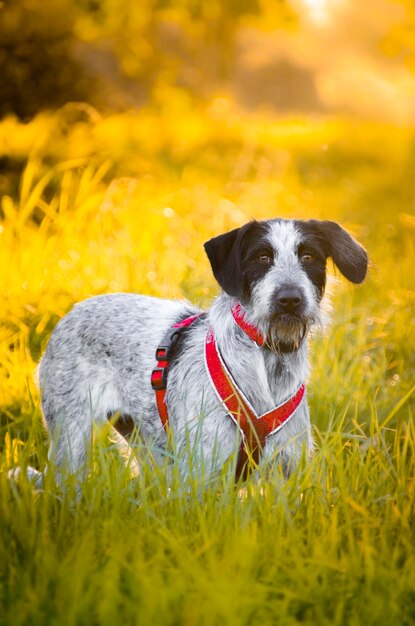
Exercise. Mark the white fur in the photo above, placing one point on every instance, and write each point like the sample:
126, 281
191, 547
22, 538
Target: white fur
100, 358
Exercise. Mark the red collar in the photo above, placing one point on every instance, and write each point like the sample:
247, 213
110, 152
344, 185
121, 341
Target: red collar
251, 330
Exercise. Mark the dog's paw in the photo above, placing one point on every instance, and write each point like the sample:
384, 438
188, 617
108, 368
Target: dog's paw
33, 475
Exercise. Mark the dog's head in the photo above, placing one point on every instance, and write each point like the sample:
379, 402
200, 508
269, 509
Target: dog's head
277, 270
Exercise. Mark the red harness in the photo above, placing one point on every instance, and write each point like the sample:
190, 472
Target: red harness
254, 428
163, 356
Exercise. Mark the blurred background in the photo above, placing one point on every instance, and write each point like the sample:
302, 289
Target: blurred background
131, 132
286, 56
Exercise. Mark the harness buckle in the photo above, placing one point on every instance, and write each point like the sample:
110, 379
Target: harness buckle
162, 352
159, 378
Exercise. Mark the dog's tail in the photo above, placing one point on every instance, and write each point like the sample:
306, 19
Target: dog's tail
34, 476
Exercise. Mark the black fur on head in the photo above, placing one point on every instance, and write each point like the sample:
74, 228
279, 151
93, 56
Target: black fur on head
228, 253
347, 254
239, 257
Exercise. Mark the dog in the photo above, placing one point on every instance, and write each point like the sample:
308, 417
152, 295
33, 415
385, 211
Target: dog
100, 360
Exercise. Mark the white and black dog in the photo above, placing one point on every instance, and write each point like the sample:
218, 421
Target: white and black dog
100, 358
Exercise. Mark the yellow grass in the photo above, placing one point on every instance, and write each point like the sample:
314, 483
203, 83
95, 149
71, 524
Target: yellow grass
124, 203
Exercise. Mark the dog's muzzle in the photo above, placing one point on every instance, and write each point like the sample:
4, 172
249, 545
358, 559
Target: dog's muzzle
289, 325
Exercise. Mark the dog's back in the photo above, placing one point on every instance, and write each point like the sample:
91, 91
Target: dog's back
99, 361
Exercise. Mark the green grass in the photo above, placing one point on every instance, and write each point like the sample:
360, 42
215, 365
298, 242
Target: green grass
334, 544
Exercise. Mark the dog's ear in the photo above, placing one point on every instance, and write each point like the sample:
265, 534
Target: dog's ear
347, 254
225, 254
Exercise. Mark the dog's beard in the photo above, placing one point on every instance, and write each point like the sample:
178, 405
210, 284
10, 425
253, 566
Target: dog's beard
287, 332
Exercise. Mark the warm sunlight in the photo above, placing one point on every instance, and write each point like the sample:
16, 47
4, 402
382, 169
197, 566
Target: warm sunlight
318, 10
136, 138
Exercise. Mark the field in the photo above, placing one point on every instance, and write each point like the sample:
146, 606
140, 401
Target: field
124, 202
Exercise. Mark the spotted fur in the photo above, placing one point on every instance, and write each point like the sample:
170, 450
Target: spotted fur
100, 356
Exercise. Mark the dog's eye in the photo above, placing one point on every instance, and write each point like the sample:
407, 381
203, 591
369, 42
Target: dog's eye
264, 258
307, 257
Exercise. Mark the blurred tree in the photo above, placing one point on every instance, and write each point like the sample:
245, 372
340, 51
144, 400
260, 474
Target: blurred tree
116, 53
188, 43
400, 41
37, 68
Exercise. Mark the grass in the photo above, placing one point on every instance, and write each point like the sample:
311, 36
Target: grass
124, 203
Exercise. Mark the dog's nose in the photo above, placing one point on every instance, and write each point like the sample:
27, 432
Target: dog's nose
289, 298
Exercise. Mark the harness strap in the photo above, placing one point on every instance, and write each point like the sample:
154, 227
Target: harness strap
254, 428
163, 356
